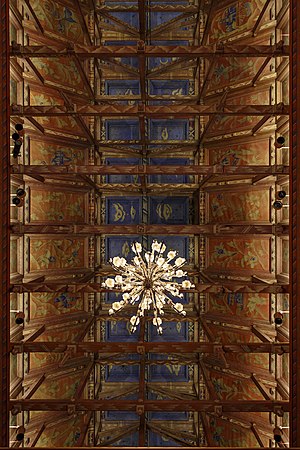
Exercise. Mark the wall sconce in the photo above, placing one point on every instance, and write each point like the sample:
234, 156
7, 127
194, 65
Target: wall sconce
18, 140
20, 193
278, 433
278, 317
19, 199
280, 142
278, 205
20, 432
19, 317
282, 194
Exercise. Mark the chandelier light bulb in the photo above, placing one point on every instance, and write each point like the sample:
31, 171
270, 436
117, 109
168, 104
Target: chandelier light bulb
148, 281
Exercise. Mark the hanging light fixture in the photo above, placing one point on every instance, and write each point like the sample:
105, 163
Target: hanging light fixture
148, 282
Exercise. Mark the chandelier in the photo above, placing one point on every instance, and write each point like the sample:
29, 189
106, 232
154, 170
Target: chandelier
148, 282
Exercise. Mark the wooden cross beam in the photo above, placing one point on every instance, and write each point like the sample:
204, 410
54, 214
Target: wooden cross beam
73, 406
208, 230
156, 111
152, 347
107, 169
122, 51
204, 288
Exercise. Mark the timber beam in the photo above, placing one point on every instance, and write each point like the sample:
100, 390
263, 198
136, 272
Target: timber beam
73, 406
208, 230
204, 288
105, 169
153, 347
157, 111
121, 51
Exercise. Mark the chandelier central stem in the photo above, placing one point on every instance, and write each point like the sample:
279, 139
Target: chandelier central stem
148, 282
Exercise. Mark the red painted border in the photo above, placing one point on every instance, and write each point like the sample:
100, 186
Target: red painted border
4, 223
295, 222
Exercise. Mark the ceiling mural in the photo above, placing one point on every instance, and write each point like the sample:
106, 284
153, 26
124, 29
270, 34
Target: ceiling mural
143, 121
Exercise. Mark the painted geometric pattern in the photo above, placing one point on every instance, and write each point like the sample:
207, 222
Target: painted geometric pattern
240, 154
240, 304
55, 154
60, 20
237, 17
57, 206
228, 206
240, 253
50, 254
43, 304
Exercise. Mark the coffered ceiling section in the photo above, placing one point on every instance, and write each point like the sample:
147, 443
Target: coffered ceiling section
150, 120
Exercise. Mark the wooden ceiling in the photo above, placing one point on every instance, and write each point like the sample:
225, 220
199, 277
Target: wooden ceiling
146, 120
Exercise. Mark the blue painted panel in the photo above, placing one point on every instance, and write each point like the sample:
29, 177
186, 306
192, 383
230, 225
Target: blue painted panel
123, 130
121, 210
126, 373
156, 440
158, 17
162, 415
132, 61
122, 87
122, 178
168, 130
132, 18
172, 332
132, 440
178, 243
155, 62
167, 372
169, 178
123, 415
169, 210
120, 246
119, 331
169, 87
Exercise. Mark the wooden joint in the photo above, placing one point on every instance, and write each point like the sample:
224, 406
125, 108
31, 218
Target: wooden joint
140, 409
218, 410
278, 410
140, 349
17, 349
17, 408
71, 409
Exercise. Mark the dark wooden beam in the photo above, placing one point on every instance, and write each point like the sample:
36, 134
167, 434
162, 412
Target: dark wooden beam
209, 230
295, 222
73, 406
122, 51
106, 169
205, 288
4, 225
152, 111
155, 347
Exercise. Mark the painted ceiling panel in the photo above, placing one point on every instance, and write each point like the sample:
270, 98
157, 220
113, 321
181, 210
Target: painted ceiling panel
67, 304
